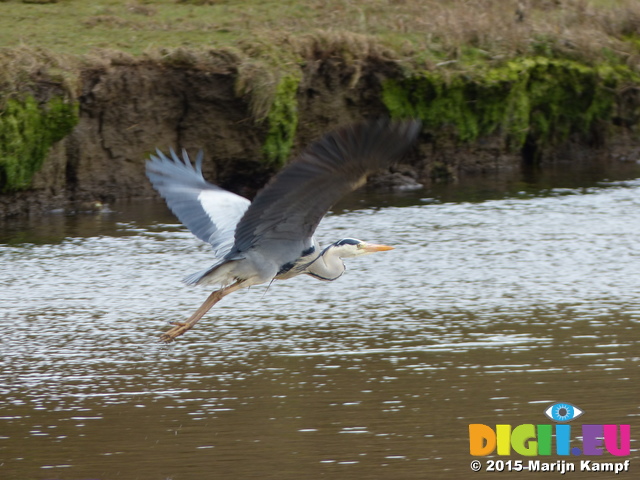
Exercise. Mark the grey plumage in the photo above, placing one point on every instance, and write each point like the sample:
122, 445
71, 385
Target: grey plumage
290, 208
272, 237
211, 213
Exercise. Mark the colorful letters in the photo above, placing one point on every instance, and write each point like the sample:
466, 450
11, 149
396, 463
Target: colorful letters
530, 440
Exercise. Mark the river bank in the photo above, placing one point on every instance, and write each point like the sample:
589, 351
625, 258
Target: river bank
76, 127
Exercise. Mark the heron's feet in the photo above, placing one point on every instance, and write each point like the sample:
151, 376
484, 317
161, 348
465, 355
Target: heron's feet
178, 329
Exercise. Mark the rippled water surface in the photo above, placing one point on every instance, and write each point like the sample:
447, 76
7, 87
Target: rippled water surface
491, 307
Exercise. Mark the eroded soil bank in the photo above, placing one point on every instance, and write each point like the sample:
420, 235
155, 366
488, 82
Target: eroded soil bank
95, 132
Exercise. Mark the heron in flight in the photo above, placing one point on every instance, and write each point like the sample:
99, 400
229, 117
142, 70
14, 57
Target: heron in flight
272, 238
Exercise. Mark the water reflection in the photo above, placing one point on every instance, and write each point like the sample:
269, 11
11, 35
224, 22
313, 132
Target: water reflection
486, 312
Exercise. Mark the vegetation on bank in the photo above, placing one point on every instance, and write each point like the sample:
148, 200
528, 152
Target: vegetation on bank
27, 130
535, 101
534, 71
282, 121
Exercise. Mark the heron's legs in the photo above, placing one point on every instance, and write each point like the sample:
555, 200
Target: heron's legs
214, 298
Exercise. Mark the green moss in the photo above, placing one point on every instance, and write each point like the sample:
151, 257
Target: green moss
536, 99
27, 131
633, 39
282, 121
469, 106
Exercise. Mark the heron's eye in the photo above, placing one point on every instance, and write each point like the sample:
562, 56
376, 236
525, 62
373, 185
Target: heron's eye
563, 412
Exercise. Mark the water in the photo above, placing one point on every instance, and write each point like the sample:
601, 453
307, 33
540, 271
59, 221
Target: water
494, 304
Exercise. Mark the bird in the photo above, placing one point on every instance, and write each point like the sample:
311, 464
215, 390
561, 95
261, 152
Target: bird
272, 238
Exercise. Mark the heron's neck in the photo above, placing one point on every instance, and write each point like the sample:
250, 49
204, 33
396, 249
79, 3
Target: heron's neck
328, 266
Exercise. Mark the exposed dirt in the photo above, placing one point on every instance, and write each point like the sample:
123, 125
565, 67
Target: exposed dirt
128, 110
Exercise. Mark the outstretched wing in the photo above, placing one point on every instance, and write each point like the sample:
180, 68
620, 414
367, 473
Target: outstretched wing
210, 212
284, 215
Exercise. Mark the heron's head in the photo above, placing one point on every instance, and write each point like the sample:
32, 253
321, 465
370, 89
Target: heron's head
351, 247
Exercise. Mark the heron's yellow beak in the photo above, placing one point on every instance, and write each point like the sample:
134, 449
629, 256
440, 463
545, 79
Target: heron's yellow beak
372, 247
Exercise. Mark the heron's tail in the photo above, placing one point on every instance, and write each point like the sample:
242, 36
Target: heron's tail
195, 278
219, 273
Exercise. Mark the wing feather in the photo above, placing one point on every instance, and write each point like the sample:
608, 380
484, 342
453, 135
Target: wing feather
211, 213
284, 215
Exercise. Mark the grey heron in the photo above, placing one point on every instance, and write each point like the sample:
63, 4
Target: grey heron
272, 238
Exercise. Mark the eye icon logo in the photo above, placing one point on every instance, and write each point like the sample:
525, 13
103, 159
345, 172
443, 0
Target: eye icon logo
563, 412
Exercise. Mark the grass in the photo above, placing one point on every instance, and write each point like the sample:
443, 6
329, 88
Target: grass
270, 38
427, 31
535, 70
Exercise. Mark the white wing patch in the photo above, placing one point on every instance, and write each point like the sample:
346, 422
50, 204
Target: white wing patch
225, 209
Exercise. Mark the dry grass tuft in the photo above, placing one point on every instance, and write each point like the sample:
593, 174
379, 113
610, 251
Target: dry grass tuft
107, 21
348, 46
589, 31
140, 9
20, 66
